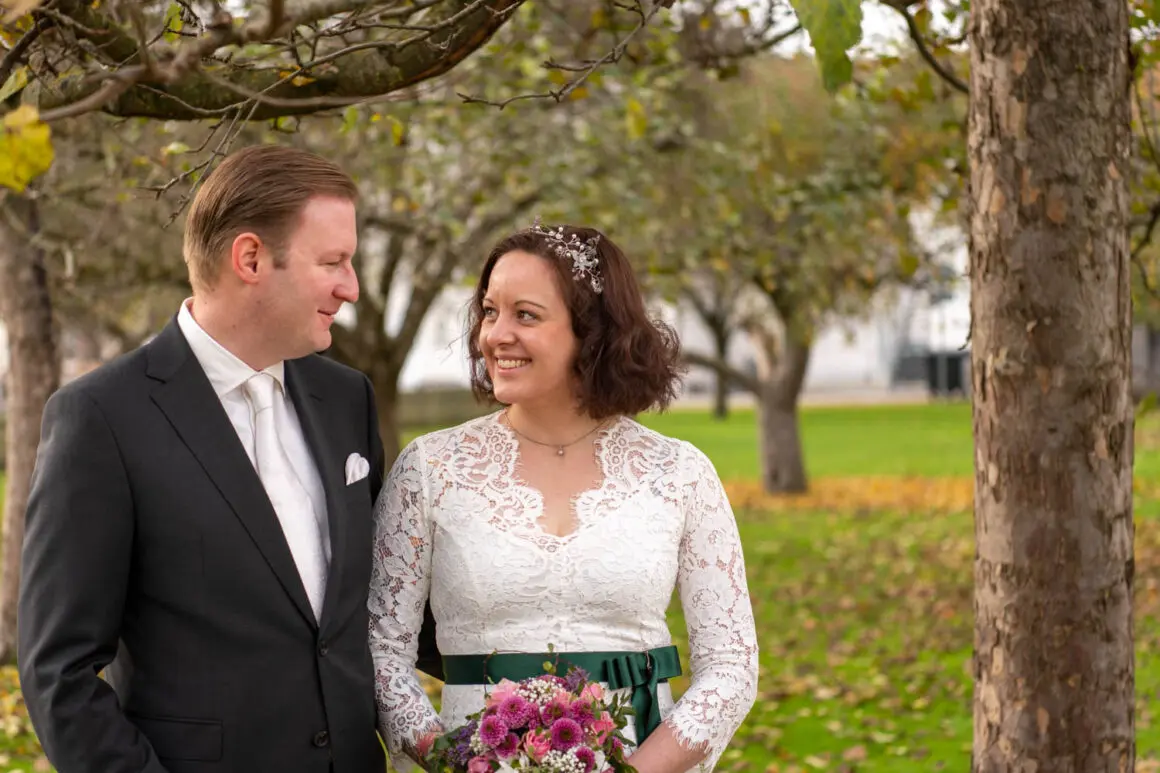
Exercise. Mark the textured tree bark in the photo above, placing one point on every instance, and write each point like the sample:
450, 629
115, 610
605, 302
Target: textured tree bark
783, 468
1051, 373
33, 375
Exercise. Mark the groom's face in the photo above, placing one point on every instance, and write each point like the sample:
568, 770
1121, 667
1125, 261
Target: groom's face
315, 279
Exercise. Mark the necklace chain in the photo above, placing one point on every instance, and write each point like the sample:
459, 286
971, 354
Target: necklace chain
558, 446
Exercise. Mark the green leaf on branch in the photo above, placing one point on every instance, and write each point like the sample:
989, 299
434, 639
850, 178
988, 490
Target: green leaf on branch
834, 27
173, 23
25, 148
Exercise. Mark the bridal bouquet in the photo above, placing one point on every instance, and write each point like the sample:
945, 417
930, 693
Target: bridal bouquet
545, 724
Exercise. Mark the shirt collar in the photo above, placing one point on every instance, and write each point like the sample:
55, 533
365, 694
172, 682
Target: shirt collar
225, 371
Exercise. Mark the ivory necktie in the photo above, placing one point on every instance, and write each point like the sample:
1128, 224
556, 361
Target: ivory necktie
286, 492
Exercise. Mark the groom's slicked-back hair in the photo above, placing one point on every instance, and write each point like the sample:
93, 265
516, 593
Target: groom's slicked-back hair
260, 189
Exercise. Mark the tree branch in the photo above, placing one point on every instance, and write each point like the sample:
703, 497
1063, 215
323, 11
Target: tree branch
1146, 238
12, 58
585, 70
742, 379
925, 52
182, 91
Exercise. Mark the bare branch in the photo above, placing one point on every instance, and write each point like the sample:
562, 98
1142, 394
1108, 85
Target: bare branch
562, 93
102, 96
924, 51
742, 379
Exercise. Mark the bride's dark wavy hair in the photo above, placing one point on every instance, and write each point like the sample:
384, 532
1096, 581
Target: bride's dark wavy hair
626, 362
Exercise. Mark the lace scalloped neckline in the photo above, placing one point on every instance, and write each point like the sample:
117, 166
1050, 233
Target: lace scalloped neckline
583, 505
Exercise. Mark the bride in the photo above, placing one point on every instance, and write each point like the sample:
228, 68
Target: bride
560, 522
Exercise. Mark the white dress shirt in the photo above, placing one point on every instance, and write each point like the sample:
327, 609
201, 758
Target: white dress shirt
227, 374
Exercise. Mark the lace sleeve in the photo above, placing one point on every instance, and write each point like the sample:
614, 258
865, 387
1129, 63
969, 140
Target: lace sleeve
715, 599
400, 581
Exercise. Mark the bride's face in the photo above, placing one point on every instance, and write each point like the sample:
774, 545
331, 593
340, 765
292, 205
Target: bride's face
526, 334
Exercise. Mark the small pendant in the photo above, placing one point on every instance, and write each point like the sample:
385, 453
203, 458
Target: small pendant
560, 451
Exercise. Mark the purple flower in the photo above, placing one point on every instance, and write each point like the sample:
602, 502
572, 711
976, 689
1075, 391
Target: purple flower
508, 747
460, 750
492, 731
557, 708
585, 755
581, 711
515, 711
566, 733
575, 679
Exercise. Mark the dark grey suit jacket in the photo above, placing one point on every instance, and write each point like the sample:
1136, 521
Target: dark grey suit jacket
152, 553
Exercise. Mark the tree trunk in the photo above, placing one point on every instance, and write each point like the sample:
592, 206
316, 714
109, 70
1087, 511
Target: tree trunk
33, 375
384, 376
723, 382
783, 469
1152, 372
1051, 372
387, 404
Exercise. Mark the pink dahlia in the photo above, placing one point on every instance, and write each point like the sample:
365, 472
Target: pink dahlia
492, 731
566, 733
508, 747
585, 755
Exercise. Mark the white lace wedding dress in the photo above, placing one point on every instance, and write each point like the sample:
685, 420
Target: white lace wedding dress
455, 521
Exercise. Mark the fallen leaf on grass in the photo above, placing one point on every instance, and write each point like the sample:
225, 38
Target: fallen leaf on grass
861, 494
876, 494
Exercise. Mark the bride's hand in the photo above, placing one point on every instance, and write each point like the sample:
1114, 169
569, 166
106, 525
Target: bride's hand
422, 748
426, 743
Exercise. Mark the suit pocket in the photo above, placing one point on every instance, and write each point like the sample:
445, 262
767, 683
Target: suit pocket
357, 497
196, 740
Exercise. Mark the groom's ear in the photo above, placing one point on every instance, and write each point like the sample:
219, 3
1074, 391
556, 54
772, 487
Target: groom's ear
245, 254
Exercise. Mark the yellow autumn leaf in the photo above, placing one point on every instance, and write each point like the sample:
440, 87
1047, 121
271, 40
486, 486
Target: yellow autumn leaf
635, 119
398, 130
16, 81
862, 494
25, 148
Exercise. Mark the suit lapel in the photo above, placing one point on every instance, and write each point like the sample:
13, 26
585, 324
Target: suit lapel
189, 402
309, 403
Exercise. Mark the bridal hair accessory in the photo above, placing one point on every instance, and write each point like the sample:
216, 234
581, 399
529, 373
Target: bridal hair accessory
582, 253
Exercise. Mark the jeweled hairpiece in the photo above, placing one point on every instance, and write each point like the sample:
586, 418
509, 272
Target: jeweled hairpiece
582, 253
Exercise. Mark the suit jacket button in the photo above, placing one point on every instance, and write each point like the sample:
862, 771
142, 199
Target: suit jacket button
323, 648
321, 738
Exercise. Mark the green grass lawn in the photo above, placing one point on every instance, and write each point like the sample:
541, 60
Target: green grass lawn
864, 618
930, 440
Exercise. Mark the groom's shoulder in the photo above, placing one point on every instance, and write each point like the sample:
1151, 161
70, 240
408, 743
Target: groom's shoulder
114, 379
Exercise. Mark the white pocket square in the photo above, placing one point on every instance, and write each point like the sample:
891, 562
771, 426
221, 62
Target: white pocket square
357, 468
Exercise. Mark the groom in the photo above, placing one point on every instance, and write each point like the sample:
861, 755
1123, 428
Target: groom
200, 522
